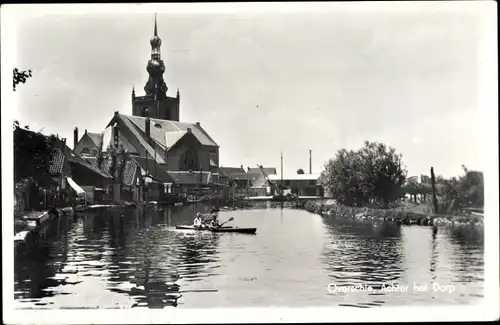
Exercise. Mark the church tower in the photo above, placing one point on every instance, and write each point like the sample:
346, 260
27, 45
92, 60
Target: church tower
156, 103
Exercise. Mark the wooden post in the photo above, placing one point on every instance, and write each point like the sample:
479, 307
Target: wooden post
434, 198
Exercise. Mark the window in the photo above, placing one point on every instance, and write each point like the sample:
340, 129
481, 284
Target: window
312, 182
189, 160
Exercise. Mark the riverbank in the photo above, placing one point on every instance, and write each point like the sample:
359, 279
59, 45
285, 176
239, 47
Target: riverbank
408, 214
29, 224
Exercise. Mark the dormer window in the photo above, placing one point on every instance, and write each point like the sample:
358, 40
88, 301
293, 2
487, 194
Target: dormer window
158, 125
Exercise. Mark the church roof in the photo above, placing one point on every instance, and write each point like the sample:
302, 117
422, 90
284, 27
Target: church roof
173, 129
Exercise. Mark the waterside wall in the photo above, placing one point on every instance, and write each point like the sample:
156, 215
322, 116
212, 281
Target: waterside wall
400, 215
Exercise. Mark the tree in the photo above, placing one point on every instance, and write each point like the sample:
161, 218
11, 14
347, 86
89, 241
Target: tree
32, 156
300, 171
372, 173
464, 191
20, 77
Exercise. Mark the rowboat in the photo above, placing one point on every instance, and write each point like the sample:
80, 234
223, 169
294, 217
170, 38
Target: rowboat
220, 229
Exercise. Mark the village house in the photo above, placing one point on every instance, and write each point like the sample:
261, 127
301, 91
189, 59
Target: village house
72, 178
257, 179
234, 175
300, 184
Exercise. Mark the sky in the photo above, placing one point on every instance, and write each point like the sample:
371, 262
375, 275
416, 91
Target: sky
261, 83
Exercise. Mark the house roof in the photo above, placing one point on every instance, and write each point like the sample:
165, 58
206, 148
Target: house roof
129, 172
228, 171
174, 129
95, 137
75, 158
267, 170
237, 173
57, 162
295, 177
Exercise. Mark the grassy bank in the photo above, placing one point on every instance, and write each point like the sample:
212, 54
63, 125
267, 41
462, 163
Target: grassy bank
407, 214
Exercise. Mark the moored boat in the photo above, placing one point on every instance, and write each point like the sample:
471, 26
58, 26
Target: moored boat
220, 229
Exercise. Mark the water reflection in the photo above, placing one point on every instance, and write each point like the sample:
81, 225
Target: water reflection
467, 256
362, 253
136, 258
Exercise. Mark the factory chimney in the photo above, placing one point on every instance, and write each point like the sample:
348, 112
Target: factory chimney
310, 161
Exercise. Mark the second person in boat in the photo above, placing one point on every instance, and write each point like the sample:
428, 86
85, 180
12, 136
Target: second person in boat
214, 223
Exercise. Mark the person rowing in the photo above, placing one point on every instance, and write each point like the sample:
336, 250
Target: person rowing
197, 220
214, 223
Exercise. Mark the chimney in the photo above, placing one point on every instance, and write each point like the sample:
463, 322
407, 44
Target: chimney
189, 130
310, 161
248, 168
198, 123
116, 113
85, 131
75, 137
148, 127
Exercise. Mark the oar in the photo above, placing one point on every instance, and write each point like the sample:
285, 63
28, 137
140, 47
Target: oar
222, 224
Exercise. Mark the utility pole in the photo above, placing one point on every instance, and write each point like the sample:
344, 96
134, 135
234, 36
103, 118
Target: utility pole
282, 171
433, 183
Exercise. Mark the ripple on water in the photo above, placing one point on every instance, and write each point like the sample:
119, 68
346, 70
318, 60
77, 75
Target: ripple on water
142, 263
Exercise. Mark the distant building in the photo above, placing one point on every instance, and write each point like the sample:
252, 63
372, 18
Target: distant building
88, 144
256, 177
300, 184
234, 175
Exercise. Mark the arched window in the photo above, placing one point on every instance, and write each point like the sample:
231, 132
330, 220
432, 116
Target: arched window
189, 160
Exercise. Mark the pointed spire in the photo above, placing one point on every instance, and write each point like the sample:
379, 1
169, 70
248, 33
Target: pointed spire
156, 28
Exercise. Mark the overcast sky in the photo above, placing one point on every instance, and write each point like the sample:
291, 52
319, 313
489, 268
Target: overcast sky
262, 83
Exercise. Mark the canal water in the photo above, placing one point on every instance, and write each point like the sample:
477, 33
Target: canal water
136, 258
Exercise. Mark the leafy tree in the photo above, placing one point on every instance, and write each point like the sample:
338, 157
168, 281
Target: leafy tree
20, 77
372, 173
464, 191
32, 156
300, 171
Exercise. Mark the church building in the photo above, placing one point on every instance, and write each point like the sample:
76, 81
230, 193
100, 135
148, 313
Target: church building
182, 153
